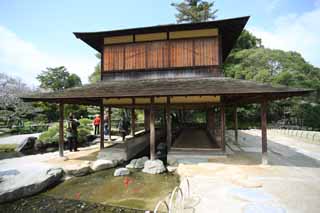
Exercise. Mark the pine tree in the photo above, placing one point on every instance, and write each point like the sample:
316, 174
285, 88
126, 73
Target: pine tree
195, 11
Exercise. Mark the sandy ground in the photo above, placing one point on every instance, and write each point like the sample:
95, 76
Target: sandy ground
239, 183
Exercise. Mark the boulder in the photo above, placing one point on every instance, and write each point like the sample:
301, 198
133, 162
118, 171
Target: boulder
137, 163
153, 167
26, 180
27, 146
78, 170
171, 168
102, 164
121, 172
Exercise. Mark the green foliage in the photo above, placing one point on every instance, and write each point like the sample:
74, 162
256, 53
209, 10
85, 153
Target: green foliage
96, 75
251, 61
247, 41
58, 78
194, 11
52, 134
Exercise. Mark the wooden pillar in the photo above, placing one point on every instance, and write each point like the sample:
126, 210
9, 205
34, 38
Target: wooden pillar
101, 126
146, 119
235, 117
264, 105
168, 123
152, 132
222, 127
133, 119
109, 122
61, 136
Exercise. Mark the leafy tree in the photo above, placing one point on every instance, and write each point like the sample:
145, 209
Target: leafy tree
251, 61
247, 40
58, 78
95, 76
195, 11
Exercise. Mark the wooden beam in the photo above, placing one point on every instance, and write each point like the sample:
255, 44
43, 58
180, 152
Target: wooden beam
168, 123
152, 132
101, 126
235, 117
61, 137
264, 106
222, 127
109, 122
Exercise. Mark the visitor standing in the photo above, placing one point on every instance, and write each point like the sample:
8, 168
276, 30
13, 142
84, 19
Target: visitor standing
106, 124
72, 133
123, 127
96, 123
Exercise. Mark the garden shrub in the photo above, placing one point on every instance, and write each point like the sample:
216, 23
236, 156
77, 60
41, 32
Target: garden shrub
51, 136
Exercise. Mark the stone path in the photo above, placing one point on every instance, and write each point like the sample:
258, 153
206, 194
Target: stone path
239, 183
16, 139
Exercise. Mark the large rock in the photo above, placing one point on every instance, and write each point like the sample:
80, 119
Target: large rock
137, 163
27, 145
121, 172
78, 170
153, 167
26, 180
102, 164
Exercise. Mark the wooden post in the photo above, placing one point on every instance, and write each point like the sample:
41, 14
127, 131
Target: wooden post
146, 119
152, 132
264, 105
222, 127
61, 136
168, 123
101, 126
235, 116
133, 119
109, 122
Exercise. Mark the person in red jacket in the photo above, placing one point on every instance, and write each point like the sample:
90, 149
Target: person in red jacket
96, 123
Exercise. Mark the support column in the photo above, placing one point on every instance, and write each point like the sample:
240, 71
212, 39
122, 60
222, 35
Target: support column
133, 120
168, 123
264, 105
61, 136
101, 126
109, 122
146, 119
235, 116
152, 132
222, 127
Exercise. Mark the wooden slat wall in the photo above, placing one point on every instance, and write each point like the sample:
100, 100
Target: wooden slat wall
161, 54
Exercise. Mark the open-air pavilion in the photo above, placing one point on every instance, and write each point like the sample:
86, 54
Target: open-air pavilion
170, 67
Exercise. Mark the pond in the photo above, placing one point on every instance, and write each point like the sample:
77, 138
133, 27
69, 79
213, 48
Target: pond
101, 191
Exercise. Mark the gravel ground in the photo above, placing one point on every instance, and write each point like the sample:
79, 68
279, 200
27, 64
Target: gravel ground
290, 183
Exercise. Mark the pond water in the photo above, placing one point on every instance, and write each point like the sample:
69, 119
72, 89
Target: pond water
101, 190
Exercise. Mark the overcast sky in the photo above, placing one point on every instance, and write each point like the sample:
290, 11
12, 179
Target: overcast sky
36, 34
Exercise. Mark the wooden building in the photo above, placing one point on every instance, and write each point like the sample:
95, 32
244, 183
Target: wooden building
170, 67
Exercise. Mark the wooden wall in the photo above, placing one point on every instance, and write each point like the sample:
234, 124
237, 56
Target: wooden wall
161, 54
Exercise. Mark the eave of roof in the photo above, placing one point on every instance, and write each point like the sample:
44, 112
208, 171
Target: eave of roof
230, 30
227, 87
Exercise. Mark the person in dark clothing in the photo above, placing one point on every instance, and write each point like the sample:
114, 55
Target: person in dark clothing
106, 126
123, 127
72, 133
